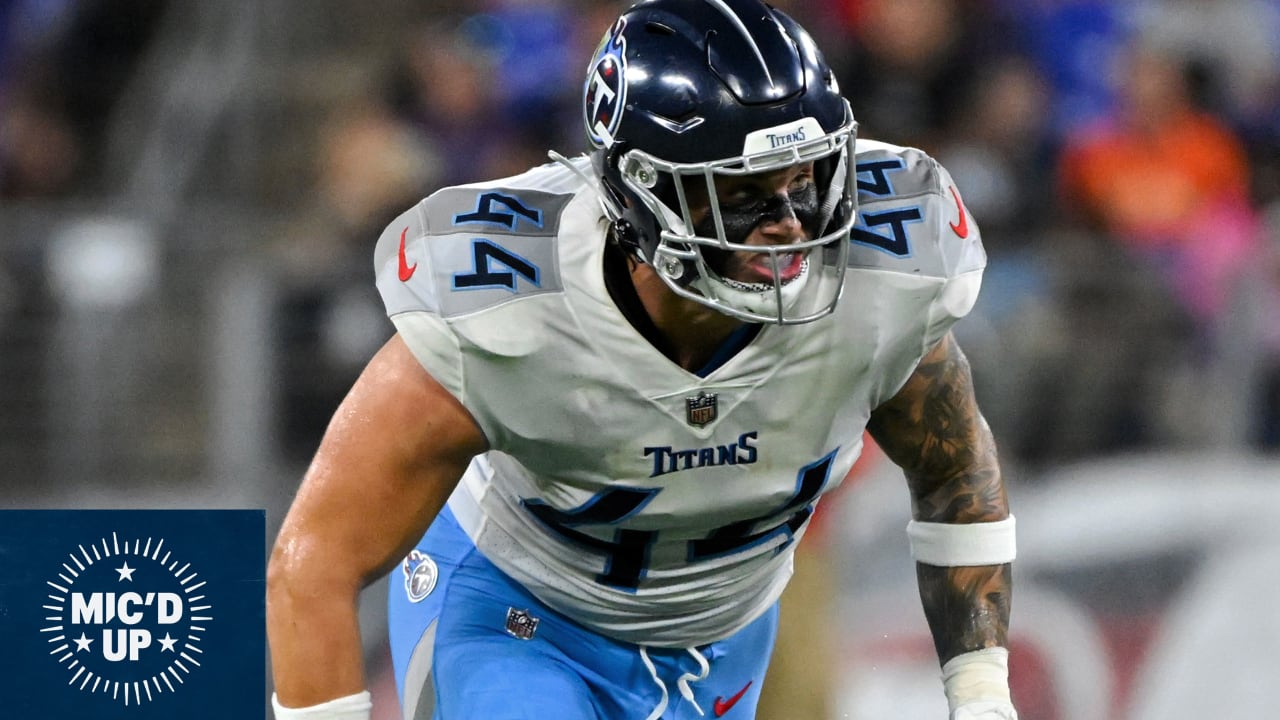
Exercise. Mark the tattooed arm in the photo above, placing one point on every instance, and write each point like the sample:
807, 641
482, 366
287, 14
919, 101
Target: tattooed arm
933, 430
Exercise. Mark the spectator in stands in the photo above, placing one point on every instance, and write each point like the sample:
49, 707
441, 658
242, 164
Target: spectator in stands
999, 140
446, 87
65, 74
1167, 181
1169, 184
906, 65
1075, 45
914, 64
328, 319
39, 151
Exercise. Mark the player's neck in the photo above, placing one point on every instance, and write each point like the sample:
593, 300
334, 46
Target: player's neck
688, 334
694, 333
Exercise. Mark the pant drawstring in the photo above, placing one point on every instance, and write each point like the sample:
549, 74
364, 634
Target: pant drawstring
704, 669
653, 673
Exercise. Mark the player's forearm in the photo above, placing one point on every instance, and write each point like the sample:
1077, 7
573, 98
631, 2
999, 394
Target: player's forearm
314, 634
933, 429
963, 539
967, 606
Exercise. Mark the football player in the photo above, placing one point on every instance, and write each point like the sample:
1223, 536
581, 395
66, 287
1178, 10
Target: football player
621, 383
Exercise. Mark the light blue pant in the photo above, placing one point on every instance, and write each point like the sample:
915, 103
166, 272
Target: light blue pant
455, 658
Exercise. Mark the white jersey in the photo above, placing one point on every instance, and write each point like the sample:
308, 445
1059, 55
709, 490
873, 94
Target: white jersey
648, 503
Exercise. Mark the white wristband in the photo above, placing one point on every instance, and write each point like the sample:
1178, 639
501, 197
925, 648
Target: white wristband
963, 544
351, 707
978, 680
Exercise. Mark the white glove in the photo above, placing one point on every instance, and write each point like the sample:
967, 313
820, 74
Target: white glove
985, 710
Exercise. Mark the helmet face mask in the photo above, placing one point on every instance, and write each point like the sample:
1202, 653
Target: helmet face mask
751, 99
690, 254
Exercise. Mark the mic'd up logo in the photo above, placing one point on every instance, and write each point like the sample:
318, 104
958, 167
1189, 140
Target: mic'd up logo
126, 618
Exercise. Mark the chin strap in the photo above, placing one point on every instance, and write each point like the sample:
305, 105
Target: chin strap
623, 233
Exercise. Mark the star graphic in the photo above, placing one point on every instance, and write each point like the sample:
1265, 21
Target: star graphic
166, 643
82, 642
126, 572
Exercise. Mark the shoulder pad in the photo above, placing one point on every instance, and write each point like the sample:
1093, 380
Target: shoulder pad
468, 248
910, 216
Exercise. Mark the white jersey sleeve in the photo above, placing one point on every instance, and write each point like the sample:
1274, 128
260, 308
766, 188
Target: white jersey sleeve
467, 249
914, 246
400, 251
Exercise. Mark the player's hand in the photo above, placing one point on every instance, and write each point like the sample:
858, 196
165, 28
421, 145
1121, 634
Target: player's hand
985, 710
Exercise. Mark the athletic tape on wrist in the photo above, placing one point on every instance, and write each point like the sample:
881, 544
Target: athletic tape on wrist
977, 678
960, 545
351, 707
985, 711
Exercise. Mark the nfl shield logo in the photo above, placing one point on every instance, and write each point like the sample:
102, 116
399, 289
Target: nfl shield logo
700, 410
521, 624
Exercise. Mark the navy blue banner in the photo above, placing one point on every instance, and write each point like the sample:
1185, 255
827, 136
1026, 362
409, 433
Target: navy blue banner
133, 614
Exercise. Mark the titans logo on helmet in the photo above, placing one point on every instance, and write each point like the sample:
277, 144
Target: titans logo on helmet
605, 94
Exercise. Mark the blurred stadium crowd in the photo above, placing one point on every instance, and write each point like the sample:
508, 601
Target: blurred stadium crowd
190, 192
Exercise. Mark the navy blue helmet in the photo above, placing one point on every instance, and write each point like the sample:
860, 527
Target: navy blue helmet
681, 93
